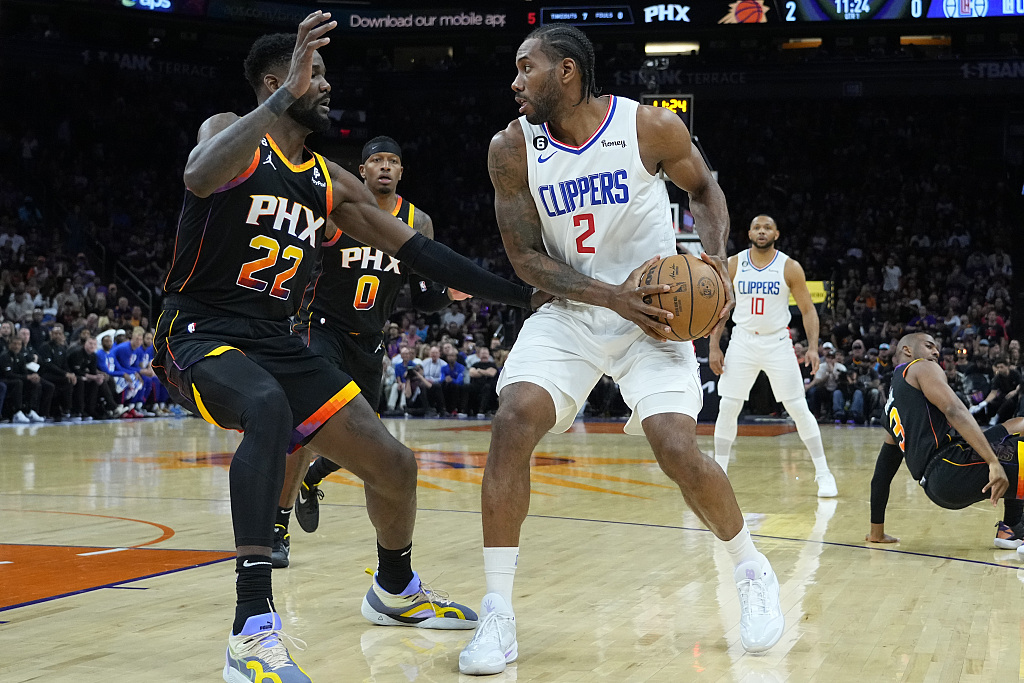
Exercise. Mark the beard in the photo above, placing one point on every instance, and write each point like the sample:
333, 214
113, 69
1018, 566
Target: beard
544, 104
308, 115
767, 245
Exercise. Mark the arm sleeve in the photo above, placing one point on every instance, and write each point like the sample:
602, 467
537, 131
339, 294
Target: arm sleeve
427, 296
888, 463
438, 262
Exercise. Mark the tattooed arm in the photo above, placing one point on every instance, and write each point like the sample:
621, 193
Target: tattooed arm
519, 222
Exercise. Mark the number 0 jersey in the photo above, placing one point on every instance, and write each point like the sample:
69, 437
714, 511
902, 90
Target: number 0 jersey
249, 248
601, 212
918, 428
355, 286
762, 295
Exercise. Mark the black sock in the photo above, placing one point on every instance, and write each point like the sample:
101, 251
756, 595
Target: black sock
1013, 511
320, 468
252, 589
283, 515
394, 568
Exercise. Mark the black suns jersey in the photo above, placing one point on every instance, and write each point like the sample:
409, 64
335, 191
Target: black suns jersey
355, 286
250, 247
918, 428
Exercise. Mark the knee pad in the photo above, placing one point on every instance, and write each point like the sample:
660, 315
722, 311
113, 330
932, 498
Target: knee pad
728, 413
806, 425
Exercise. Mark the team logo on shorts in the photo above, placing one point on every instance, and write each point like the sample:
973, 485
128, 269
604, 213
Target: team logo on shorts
191, 327
706, 287
540, 143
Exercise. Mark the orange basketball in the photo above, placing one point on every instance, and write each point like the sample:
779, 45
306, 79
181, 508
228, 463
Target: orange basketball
695, 298
749, 12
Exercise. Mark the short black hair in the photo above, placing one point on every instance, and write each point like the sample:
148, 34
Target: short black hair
268, 52
561, 41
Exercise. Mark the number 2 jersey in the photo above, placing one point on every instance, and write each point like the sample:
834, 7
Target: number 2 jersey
918, 428
601, 212
248, 249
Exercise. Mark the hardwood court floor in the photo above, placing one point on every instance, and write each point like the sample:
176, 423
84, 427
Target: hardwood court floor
116, 544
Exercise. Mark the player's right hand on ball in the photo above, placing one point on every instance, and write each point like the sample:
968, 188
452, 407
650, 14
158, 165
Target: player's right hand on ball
309, 39
628, 302
716, 359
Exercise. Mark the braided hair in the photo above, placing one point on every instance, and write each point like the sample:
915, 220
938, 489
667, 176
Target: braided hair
564, 41
267, 53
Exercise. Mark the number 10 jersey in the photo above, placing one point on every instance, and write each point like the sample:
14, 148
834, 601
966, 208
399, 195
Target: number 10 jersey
249, 248
601, 212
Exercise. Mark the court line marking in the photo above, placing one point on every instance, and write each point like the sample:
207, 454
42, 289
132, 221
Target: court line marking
102, 552
116, 584
168, 532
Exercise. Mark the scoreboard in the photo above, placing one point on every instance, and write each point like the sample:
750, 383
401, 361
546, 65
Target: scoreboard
682, 105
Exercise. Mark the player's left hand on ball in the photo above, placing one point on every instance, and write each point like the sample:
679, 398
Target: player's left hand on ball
997, 483
722, 266
456, 295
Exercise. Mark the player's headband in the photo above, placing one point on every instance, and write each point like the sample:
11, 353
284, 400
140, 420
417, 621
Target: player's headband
381, 144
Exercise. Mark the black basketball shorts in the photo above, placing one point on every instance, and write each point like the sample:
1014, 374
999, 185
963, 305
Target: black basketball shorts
956, 475
315, 388
359, 356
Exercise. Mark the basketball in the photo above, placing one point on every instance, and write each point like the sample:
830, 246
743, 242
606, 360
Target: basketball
748, 12
695, 298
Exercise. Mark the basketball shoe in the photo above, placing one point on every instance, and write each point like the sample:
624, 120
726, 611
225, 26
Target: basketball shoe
494, 644
761, 619
826, 485
257, 653
282, 547
417, 606
307, 507
1008, 537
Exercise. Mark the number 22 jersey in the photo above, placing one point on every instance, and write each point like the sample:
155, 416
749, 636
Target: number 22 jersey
248, 249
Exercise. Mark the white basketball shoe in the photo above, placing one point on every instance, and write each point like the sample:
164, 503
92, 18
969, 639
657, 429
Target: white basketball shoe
761, 619
826, 485
494, 643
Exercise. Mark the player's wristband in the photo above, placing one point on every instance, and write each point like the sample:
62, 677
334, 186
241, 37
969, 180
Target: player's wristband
888, 463
279, 102
441, 264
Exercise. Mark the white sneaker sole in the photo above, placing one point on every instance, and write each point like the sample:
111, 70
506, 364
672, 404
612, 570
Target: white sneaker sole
489, 668
1006, 544
437, 623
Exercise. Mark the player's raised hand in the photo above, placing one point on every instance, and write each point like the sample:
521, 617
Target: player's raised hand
997, 483
631, 302
722, 266
309, 39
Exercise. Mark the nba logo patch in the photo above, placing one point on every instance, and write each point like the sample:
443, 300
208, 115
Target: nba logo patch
191, 327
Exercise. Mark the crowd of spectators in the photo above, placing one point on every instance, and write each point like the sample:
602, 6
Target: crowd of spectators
873, 196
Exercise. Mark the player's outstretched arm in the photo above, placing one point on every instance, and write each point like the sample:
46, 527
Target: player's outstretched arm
797, 283
931, 380
228, 142
520, 226
665, 143
888, 463
357, 210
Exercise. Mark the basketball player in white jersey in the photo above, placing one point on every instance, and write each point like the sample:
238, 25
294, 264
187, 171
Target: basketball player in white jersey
582, 211
764, 277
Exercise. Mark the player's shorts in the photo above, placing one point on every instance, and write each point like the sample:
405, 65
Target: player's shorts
748, 354
315, 389
566, 347
956, 474
360, 356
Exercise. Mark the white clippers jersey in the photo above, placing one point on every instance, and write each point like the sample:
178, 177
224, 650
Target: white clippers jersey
602, 213
762, 295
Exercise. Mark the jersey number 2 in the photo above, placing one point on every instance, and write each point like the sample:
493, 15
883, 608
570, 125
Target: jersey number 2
577, 221
278, 290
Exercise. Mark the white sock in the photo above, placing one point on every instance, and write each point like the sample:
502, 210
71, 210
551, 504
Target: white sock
725, 429
817, 452
741, 548
500, 570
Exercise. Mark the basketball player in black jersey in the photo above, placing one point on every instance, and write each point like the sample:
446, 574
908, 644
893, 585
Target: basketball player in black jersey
944, 448
258, 206
342, 318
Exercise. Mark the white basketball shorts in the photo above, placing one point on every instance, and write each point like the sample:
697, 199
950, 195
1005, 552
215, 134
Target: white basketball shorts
565, 348
748, 354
